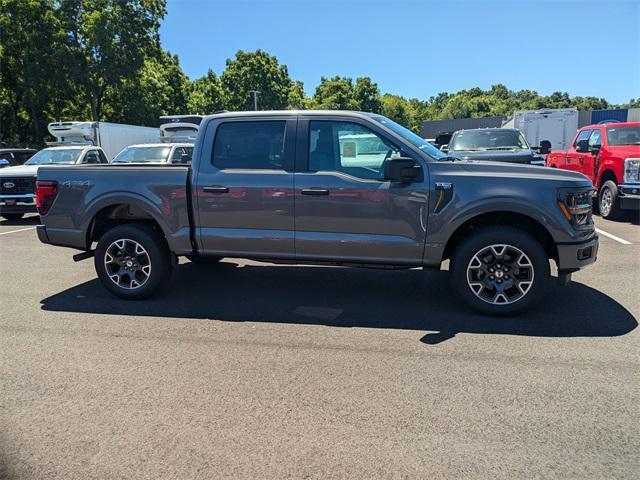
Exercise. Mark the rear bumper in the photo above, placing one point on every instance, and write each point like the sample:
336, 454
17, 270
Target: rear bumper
572, 257
62, 237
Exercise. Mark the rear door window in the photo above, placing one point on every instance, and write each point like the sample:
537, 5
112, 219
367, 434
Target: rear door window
254, 145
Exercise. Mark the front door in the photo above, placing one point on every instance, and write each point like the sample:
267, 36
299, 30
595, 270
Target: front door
243, 191
345, 210
575, 159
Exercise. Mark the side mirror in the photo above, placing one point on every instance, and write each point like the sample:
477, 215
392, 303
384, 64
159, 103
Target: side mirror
185, 158
401, 169
4, 163
595, 149
582, 146
444, 148
545, 147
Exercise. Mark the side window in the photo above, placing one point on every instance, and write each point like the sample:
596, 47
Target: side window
583, 135
595, 138
250, 145
349, 148
182, 155
91, 157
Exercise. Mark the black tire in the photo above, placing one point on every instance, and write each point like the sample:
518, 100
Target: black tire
532, 274
204, 260
12, 217
608, 201
155, 249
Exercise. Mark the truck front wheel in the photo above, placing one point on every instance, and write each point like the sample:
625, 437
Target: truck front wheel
500, 271
132, 261
608, 203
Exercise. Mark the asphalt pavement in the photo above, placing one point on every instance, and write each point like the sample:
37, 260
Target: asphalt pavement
250, 370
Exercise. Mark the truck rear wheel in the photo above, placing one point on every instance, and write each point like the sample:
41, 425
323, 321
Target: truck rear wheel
608, 202
500, 271
133, 261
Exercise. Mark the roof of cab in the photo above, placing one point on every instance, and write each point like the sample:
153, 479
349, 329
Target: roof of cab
290, 113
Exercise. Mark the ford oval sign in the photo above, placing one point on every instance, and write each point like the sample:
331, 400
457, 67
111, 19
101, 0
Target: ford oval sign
8, 185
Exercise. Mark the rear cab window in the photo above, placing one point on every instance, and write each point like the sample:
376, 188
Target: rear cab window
251, 145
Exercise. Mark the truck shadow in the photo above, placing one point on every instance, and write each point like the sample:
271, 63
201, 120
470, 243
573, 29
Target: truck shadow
340, 297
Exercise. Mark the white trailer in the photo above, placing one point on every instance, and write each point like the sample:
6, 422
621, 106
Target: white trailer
112, 137
556, 125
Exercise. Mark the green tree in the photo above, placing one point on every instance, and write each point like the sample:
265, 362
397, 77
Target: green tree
297, 98
205, 95
158, 88
397, 108
366, 95
108, 41
256, 71
335, 93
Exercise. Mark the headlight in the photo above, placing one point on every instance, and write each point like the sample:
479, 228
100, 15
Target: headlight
576, 205
631, 172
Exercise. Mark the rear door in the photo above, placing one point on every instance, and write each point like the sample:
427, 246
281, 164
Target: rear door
243, 188
345, 210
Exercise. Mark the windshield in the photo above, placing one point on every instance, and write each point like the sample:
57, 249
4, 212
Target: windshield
143, 155
623, 135
470, 140
47, 157
411, 137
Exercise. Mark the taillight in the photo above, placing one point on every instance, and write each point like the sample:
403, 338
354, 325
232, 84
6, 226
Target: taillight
46, 191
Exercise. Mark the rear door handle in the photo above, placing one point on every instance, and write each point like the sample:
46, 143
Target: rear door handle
314, 191
216, 189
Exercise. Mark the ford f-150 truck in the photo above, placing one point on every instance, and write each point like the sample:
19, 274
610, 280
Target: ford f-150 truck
325, 187
609, 155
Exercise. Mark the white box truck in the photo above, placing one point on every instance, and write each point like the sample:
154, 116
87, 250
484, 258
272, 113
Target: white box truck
112, 137
557, 125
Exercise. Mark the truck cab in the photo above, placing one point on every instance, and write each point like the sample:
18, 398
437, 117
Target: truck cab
609, 155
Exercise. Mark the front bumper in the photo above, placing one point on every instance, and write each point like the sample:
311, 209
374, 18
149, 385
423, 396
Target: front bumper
574, 256
18, 204
629, 196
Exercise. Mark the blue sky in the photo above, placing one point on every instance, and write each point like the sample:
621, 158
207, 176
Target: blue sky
420, 48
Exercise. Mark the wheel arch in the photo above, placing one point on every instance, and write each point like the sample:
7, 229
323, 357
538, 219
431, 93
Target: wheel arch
504, 219
111, 212
607, 174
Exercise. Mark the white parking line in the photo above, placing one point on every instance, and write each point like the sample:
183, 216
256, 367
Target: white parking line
19, 230
613, 237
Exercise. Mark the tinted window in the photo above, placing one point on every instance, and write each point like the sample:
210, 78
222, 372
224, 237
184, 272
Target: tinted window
178, 155
349, 148
624, 135
250, 145
583, 135
92, 157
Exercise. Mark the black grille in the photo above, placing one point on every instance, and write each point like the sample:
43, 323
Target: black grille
17, 185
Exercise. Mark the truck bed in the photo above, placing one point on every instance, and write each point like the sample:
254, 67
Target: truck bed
85, 191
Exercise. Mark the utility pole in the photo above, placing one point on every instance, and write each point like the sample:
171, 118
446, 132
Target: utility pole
255, 98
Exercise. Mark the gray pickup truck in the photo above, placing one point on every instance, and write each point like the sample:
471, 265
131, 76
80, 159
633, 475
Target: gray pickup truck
325, 187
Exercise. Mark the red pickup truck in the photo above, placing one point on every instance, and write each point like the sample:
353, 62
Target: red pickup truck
609, 155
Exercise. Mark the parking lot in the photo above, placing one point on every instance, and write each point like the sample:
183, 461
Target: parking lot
261, 371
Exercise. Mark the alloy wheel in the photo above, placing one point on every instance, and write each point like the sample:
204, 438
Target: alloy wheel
500, 274
127, 264
606, 201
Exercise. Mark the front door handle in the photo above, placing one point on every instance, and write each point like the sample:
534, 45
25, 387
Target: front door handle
216, 189
314, 191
